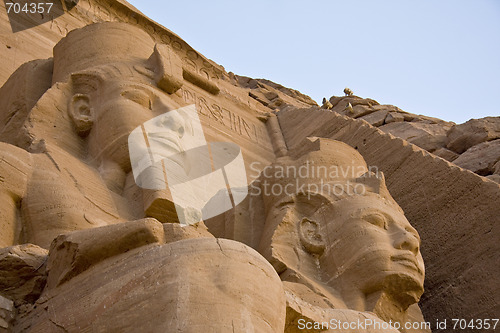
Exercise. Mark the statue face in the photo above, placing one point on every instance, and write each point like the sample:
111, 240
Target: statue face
372, 245
119, 108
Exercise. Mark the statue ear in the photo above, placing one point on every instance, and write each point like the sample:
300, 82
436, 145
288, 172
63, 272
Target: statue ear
310, 236
81, 113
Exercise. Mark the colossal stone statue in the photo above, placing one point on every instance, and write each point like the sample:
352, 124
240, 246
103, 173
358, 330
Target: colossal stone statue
342, 247
108, 268
107, 80
338, 239
98, 93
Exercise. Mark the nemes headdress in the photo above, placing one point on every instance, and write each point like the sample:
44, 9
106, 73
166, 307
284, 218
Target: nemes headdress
112, 43
100, 44
321, 166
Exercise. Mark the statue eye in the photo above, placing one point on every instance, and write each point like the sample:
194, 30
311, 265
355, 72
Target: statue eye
138, 97
376, 219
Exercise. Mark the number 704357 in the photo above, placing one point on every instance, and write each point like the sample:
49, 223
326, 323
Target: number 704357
475, 324
29, 8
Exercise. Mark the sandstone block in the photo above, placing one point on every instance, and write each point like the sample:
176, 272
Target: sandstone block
427, 136
72, 253
480, 158
494, 177
446, 154
430, 120
169, 74
22, 272
339, 105
394, 117
376, 118
7, 313
359, 111
497, 168
462, 137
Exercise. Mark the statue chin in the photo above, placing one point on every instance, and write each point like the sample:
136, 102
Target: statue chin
404, 289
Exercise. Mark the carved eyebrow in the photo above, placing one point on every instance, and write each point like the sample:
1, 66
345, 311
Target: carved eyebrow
363, 212
133, 90
143, 88
138, 95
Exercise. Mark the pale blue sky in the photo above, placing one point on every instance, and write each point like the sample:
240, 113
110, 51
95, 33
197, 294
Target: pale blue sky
440, 58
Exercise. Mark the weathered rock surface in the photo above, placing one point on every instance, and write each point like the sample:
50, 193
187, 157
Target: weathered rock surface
175, 232
376, 118
341, 102
480, 158
494, 177
427, 136
73, 253
276, 94
444, 139
22, 272
303, 317
497, 168
447, 154
394, 117
462, 137
7, 314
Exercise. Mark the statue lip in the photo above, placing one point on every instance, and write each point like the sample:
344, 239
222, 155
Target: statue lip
407, 260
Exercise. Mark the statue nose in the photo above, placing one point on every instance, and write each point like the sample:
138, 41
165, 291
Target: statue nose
407, 239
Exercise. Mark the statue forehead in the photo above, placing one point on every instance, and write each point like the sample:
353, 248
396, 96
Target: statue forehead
358, 206
346, 208
133, 83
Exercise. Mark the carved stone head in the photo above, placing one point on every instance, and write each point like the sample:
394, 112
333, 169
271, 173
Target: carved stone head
340, 231
106, 80
118, 82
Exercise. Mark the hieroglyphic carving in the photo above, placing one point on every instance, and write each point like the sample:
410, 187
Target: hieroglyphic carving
189, 64
177, 45
192, 54
165, 38
221, 115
